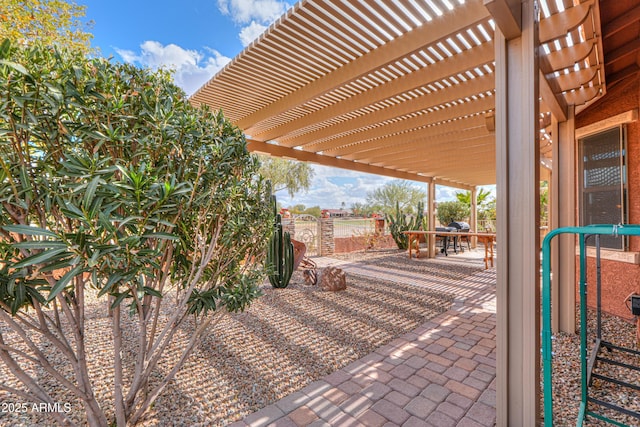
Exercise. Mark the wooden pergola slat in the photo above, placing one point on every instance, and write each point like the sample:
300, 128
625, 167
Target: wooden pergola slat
395, 84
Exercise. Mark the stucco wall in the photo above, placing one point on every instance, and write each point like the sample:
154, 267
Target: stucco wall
619, 279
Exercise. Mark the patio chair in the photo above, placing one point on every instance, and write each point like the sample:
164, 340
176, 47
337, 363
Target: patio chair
309, 268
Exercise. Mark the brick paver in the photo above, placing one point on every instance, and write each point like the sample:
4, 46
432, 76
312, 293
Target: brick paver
441, 374
303, 416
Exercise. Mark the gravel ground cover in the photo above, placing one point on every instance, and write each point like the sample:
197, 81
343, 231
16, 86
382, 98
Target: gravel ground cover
291, 337
284, 341
567, 377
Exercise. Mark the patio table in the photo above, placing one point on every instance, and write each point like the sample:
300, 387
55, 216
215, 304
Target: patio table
486, 238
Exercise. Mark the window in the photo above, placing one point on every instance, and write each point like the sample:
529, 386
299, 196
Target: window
603, 184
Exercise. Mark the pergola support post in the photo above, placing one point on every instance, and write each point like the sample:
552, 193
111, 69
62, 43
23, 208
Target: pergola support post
518, 235
431, 239
474, 216
563, 204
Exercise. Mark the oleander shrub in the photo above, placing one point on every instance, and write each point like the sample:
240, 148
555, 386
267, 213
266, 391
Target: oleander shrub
111, 182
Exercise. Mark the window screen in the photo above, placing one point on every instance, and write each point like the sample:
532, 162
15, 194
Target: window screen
603, 184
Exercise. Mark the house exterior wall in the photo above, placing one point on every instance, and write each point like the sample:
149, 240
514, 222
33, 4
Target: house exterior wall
619, 279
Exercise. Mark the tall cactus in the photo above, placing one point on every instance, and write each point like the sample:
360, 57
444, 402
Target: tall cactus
401, 222
279, 252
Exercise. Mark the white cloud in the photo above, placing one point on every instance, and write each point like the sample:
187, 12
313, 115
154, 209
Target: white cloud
254, 16
245, 11
251, 32
332, 186
445, 194
127, 55
191, 69
326, 194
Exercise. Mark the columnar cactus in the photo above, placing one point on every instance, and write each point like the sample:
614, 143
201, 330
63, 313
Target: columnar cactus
401, 222
279, 253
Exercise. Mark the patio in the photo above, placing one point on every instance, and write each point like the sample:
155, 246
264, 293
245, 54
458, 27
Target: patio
443, 372
440, 374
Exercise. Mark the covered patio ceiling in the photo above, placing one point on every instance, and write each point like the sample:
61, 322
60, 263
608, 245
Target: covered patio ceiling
400, 88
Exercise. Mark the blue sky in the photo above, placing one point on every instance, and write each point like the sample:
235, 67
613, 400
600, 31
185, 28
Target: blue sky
196, 38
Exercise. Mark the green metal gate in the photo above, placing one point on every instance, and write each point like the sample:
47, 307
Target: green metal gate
586, 362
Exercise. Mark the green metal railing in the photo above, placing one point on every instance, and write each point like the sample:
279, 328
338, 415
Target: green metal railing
582, 232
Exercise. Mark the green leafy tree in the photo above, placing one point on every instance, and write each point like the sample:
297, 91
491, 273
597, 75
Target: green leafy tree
486, 204
113, 185
402, 193
452, 211
488, 211
482, 198
362, 209
286, 174
50, 22
544, 203
297, 209
313, 210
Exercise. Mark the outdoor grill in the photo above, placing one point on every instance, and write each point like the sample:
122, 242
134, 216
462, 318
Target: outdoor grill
446, 229
445, 239
454, 226
459, 226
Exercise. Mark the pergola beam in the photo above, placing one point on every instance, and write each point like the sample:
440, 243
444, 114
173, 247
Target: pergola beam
436, 167
289, 153
575, 79
558, 25
505, 19
567, 57
550, 95
583, 95
463, 172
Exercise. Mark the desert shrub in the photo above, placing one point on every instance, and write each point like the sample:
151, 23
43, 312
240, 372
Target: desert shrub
110, 180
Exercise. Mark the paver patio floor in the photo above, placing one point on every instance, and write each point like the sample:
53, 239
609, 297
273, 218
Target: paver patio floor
441, 374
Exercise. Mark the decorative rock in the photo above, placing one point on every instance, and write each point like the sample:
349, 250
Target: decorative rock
333, 279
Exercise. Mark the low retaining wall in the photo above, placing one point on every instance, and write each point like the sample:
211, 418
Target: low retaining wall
359, 243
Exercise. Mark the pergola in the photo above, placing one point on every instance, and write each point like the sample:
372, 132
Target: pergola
403, 88
453, 92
